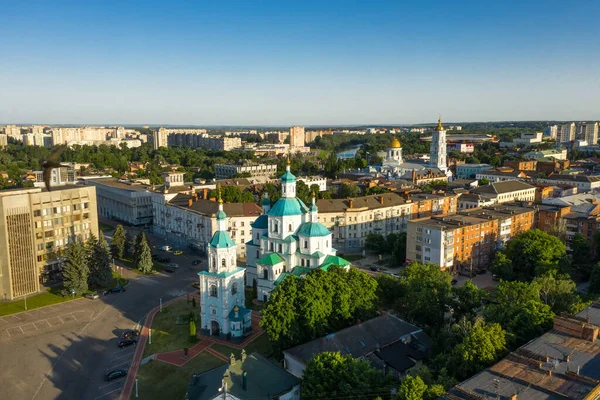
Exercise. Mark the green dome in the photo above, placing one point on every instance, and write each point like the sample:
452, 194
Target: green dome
287, 206
261, 222
221, 214
221, 239
266, 202
288, 177
313, 229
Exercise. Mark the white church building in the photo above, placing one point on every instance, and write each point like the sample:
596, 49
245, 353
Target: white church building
287, 239
394, 166
222, 298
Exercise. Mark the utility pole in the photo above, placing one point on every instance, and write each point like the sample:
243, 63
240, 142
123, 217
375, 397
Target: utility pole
136, 388
150, 335
160, 304
25, 303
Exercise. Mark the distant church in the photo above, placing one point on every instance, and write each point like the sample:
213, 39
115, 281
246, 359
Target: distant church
287, 239
222, 299
394, 167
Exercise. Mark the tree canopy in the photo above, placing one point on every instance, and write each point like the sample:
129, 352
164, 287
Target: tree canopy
534, 252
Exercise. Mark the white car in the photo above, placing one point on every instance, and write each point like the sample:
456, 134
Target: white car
173, 265
166, 248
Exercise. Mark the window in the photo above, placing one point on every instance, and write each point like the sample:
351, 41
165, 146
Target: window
276, 227
257, 254
37, 213
326, 243
265, 274
242, 224
213, 291
280, 248
223, 263
270, 246
290, 227
234, 288
257, 237
242, 233
306, 244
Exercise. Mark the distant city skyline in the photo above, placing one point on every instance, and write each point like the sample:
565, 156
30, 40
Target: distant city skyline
310, 63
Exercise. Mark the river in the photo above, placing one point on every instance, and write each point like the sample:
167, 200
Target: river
348, 152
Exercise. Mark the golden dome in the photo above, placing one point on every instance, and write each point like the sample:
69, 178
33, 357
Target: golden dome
439, 126
395, 144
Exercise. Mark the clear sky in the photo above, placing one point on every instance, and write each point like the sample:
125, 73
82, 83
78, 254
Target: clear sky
289, 62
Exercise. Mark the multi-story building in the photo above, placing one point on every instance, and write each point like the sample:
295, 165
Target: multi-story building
469, 171
551, 132
3, 140
521, 165
205, 141
36, 227
584, 183
160, 138
590, 133
466, 241
461, 147
566, 133
297, 136
507, 191
186, 219
583, 219
310, 136
123, 201
320, 181
58, 176
351, 220
225, 171
13, 131
473, 200
558, 154
505, 174
428, 204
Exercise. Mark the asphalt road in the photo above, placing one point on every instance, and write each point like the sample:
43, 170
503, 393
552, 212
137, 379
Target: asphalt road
63, 351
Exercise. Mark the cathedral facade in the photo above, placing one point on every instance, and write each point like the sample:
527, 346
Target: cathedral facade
287, 239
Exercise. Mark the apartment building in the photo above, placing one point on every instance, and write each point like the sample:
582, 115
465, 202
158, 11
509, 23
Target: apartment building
205, 141
297, 136
468, 171
584, 183
521, 165
428, 204
58, 176
225, 171
468, 240
13, 131
507, 191
310, 136
187, 220
36, 227
551, 132
558, 154
590, 133
566, 133
160, 138
123, 201
320, 181
351, 220
3, 140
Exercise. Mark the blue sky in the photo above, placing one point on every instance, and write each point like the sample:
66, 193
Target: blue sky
298, 62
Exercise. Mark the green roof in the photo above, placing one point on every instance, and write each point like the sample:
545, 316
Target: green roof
334, 260
313, 229
261, 222
222, 274
221, 214
271, 259
251, 243
317, 254
266, 202
221, 239
241, 312
313, 207
290, 239
281, 278
299, 271
286, 206
288, 177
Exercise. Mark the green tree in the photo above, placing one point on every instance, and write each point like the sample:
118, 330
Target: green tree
558, 292
99, 264
144, 262
484, 181
411, 388
331, 375
533, 253
581, 254
389, 290
376, 242
399, 250
426, 291
192, 329
595, 279
280, 317
316, 303
467, 300
348, 190
75, 270
138, 246
89, 246
119, 242
502, 266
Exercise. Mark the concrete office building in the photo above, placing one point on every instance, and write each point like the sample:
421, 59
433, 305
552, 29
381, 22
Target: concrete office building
123, 201
225, 171
297, 136
36, 226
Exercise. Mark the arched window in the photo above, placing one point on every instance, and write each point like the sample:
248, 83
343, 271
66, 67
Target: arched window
265, 273
306, 244
257, 237
213, 291
290, 227
234, 288
223, 263
276, 227
327, 244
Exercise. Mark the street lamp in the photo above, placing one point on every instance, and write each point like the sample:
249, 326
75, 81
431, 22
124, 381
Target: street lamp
160, 304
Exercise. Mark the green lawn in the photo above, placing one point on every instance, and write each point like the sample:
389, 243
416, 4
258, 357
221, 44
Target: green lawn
260, 345
105, 227
158, 380
52, 296
166, 334
352, 257
158, 267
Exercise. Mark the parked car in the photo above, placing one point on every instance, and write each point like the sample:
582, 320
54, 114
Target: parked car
196, 262
115, 374
495, 277
178, 252
173, 265
163, 259
93, 295
375, 268
454, 281
166, 248
130, 333
395, 276
117, 289
170, 269
126, 342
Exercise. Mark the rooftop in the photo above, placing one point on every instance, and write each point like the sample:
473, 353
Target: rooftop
209, 207
496, 188
123, 185
370, 202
